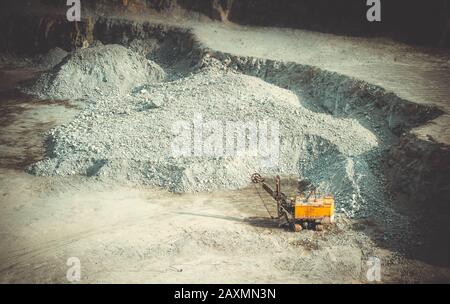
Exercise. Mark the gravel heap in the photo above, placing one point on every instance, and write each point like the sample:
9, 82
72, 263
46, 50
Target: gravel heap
127, 136
91, 71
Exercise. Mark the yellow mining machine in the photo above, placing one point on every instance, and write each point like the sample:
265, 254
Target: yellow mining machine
307, 210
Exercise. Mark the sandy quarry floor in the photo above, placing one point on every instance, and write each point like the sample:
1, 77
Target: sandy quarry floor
142, 235
149, 236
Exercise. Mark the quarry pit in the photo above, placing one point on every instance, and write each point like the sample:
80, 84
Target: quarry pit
91, 111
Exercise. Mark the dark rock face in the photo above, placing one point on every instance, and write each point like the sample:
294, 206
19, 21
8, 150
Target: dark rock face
411, 21
420, 170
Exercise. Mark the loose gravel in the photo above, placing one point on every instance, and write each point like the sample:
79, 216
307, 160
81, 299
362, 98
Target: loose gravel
89, 72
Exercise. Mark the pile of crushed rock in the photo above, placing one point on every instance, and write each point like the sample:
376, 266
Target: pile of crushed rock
87, 73
136, 128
